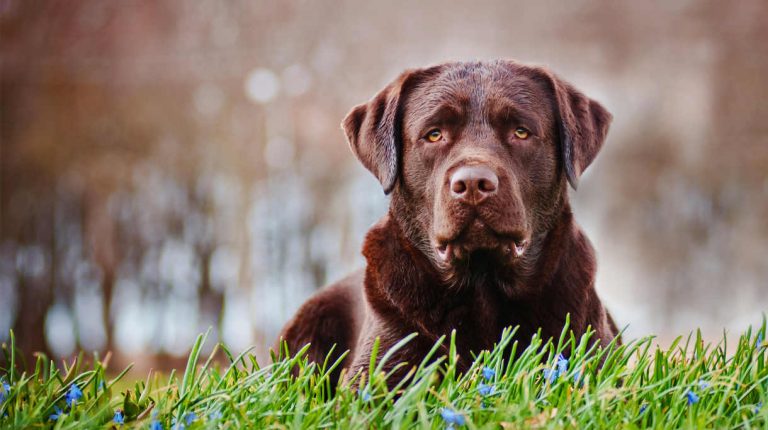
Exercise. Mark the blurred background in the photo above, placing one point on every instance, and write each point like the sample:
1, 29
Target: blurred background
169, 166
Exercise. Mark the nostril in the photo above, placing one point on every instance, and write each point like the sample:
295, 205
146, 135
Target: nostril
486, 186
458, 187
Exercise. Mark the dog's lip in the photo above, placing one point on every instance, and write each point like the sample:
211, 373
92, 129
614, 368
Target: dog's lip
510, 243
518, 247
443, 251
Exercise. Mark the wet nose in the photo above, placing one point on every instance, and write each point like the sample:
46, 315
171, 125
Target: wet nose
473, 184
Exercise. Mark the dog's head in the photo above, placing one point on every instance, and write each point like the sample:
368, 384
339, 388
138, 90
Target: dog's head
477, 156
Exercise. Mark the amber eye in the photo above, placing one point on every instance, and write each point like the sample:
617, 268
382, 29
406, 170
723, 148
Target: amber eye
521, 133
434, 135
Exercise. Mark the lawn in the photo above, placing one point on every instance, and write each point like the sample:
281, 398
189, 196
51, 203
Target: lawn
691, 384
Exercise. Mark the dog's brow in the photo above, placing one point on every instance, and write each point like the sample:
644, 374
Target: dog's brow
506, 113
444, 114
523, 97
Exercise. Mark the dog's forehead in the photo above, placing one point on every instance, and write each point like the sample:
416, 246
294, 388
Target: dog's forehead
480, 87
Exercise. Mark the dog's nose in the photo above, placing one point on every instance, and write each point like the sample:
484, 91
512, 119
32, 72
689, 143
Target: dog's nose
473, 184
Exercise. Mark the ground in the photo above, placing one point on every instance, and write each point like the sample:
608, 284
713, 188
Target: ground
691, 384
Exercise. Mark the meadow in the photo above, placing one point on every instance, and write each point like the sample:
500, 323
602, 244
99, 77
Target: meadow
553, 384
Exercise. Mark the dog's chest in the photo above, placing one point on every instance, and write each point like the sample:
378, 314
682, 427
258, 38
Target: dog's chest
478, 316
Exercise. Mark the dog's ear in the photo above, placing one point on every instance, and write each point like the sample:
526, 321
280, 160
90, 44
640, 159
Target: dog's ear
374, 130
583, 125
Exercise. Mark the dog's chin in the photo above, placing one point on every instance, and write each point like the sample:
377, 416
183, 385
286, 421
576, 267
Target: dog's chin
479, 244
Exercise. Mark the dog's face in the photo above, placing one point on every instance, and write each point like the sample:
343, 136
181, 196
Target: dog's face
477, 155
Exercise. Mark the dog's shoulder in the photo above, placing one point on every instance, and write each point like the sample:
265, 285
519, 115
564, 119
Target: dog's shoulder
331, 316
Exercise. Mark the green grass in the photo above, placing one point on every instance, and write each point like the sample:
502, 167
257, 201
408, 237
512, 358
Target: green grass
635, 385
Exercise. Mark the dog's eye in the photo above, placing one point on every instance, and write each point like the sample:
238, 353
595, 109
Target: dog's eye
434, 135
522, 133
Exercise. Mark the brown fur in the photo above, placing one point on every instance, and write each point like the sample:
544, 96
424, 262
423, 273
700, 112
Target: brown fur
509, 255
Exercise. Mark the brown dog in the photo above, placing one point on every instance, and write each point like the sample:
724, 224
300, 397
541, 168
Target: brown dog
479, 234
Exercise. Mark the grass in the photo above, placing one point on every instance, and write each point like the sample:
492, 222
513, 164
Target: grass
692, 384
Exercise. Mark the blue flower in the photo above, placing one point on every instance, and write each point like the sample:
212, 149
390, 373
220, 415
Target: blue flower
56, 414
186, 420
177, 425
691, 397
488, 373
550, 375
759, 343
485, 389
452, 417
155, 425
560, 368
364, 394
5, 389
217, 415
562, 364
119, 417
73, 395
643, 408
757, 407
704, 384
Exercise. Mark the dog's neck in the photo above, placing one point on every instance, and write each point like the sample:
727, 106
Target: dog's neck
402, 282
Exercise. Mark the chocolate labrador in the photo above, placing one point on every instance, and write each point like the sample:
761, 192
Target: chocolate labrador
479, 236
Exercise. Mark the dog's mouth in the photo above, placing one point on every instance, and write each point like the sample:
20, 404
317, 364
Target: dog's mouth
476, 237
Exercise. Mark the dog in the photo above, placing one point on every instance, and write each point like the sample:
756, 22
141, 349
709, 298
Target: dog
477, 158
